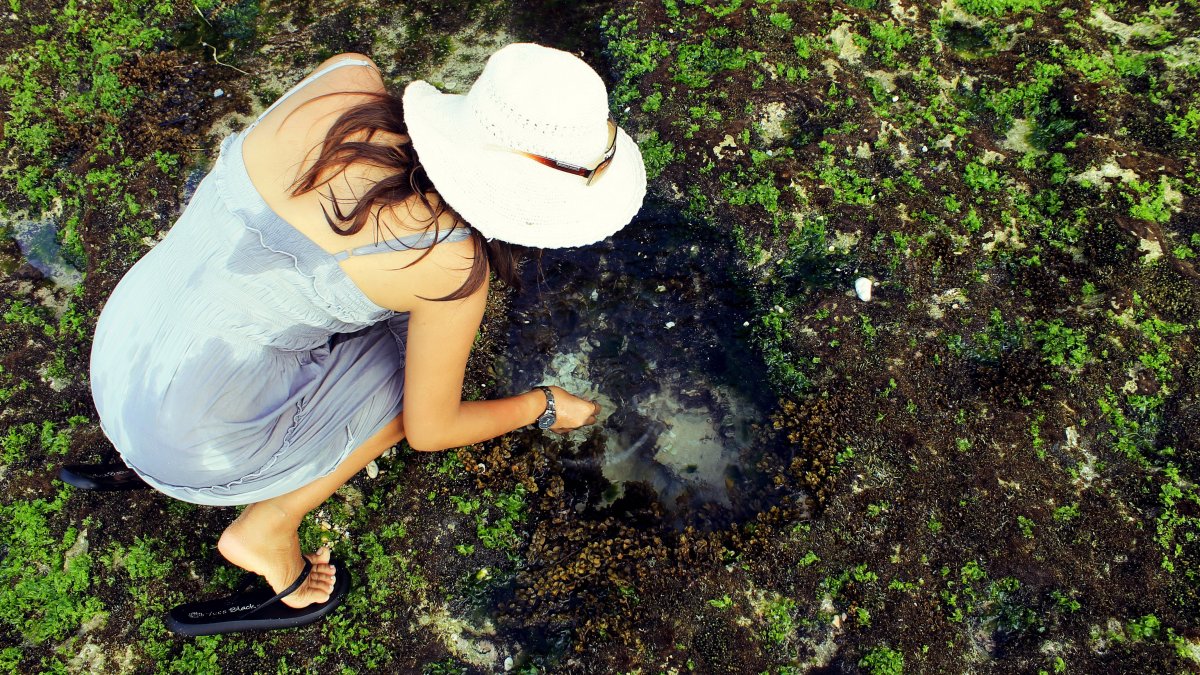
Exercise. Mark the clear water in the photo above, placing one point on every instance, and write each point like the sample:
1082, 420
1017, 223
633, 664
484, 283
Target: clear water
38, 239
648, 325
38, 242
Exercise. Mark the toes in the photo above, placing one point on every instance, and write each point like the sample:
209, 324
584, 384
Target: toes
323, 575
323, 569
319, 556
322, 578
319, 587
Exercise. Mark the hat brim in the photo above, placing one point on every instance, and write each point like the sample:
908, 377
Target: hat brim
508, 196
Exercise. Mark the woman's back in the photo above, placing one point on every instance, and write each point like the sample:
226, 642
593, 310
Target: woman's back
233, 314
284, 143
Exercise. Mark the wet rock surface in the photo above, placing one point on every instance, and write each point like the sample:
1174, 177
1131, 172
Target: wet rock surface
649, 326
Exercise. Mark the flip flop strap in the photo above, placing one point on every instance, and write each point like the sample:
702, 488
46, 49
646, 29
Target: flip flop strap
284, 593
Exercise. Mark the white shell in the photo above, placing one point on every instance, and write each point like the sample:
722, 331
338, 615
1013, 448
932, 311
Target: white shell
862, 286
372, 470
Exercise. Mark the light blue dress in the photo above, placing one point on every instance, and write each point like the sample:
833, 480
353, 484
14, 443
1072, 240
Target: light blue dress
236, 361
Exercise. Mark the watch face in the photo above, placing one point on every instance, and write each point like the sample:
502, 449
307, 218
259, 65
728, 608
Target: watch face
546, 421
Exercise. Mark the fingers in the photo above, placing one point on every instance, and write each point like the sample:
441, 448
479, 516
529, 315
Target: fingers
595, 413
569, 414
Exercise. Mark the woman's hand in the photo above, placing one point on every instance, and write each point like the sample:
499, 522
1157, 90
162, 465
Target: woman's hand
573, 412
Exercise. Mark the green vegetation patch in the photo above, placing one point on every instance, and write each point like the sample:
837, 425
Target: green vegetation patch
1004, 7
45, 580
66, 99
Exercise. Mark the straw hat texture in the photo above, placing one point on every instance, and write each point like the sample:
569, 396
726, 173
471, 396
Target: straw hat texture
537, 100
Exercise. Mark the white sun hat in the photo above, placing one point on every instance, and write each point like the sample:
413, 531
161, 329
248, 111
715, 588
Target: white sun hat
529, 100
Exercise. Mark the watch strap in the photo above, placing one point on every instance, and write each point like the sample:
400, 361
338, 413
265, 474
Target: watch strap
550, 416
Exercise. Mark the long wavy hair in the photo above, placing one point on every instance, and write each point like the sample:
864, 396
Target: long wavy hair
385, 113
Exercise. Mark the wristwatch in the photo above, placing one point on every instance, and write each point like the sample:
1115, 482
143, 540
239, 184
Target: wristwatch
548, 418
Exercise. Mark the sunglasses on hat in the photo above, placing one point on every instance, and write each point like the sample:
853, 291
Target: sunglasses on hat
590, 174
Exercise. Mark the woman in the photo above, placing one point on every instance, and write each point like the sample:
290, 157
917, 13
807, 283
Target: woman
317, 300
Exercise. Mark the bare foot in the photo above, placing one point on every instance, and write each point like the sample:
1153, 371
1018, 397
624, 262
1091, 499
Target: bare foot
264, 541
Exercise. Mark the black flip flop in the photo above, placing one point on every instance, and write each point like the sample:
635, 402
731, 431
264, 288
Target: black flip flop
255, 608
101, 477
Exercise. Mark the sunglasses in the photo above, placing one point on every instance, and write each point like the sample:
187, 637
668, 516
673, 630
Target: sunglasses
590, 174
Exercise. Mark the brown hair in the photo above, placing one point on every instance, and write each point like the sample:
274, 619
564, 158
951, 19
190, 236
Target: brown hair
385, 113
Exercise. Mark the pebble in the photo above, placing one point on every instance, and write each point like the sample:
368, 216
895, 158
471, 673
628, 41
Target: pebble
218, 93
862, 287
670, 325
372, 470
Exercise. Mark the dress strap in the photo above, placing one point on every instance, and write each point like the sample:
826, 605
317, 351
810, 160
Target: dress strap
310, 79
420, 240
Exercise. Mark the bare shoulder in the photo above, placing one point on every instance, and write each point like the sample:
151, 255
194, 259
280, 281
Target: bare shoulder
402, 280
282, 143
363, 75
324, 94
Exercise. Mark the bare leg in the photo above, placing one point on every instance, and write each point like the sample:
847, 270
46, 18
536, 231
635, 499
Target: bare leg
264, 538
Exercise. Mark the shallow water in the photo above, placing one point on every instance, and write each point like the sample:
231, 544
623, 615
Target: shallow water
648, 325
38, 242
38, 239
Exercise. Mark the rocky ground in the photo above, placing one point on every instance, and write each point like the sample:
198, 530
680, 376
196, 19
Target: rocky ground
990, 466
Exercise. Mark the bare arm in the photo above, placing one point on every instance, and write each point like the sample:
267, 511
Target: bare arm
440, 336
